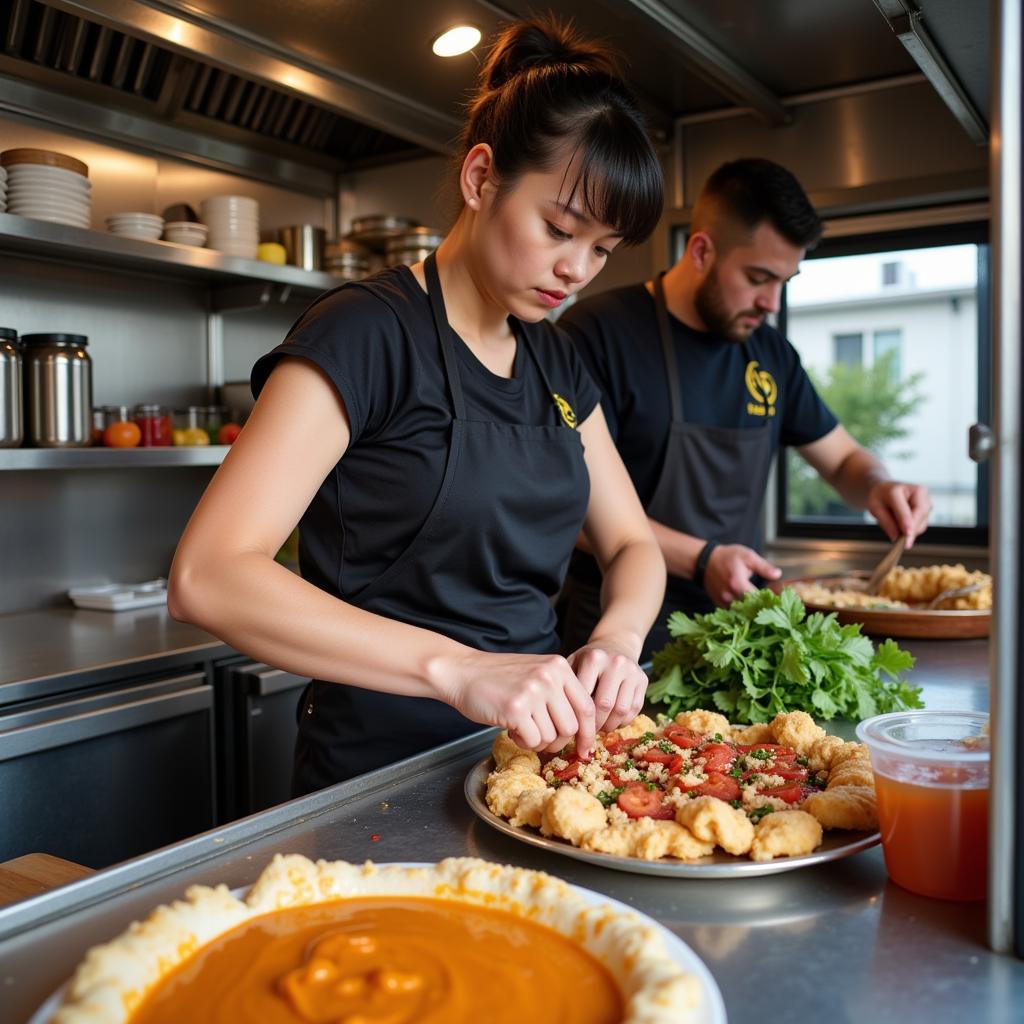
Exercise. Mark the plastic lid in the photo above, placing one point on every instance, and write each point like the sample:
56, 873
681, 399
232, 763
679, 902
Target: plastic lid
28, 340
8, 334
933, 737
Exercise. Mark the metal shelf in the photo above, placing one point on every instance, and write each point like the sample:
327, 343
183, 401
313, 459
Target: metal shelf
111, 458
183, 262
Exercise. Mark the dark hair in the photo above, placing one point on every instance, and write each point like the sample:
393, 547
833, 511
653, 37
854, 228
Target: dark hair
545, 92
752, 191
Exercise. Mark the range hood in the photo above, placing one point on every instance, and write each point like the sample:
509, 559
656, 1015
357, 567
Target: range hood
118, 81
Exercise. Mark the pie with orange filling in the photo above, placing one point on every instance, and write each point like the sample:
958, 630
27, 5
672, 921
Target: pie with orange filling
459, 942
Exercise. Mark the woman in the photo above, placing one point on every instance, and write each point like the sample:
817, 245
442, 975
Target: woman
442, 445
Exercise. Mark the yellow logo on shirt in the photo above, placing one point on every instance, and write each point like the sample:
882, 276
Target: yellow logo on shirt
565, 410
761, 385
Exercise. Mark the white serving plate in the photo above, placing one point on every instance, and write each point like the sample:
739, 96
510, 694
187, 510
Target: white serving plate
117, 597
718, 865
710, 1011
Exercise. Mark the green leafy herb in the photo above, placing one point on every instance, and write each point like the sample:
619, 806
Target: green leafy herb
762, 755
651, 786
630, 763
646, 738
718, 737
666, 748
736, 803
609, 797
555, 783
765, 654
759, 812
802, 761
736, 773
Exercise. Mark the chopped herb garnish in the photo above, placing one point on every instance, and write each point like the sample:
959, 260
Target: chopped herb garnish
651, 786
608, 798
736, 773
555, 783
693, 794
802, 761
736, 803
630, 763
718, 737
761, 755
646, 738
666, 748
759, 812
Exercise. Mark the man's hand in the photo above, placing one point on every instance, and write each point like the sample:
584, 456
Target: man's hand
900, 508
730, 569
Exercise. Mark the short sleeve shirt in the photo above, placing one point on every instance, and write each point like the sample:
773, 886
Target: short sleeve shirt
724, 384
376, 343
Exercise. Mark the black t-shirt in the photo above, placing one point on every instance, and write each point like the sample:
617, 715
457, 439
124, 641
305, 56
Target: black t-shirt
616, 333
376, 343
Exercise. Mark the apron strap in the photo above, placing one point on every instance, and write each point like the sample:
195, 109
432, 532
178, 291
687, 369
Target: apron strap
444, 335
671, 363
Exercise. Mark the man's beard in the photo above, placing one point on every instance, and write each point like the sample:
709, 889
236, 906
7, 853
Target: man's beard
711, 308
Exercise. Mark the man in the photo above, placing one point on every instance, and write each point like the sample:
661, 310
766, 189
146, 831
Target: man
700, 393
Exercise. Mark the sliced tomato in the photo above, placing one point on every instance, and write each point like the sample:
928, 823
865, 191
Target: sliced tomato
613, 742
656, 756
570, 771
675, 766
717, 756
616, 779
792, 792
682, 737
775, 748
791, 774
722, 786
640, 802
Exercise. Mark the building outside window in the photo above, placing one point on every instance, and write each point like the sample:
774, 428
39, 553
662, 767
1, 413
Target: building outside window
891, 340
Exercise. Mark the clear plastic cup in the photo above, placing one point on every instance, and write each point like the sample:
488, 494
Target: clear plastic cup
931, 778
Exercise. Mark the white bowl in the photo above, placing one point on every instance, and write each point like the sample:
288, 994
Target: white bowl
141, 233
135, 218
185, 234
42, 172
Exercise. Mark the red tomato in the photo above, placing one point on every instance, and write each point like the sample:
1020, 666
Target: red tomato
774, 748
656, 756
792, 792
122, 435
570, 771
640, 802
616, 779
717, 756
675, 766
722, 786
791, 774
682, 737
228, 433
613, 742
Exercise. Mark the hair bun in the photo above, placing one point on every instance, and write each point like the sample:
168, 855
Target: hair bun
543, 42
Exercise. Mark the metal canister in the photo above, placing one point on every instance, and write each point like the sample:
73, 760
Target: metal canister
413, 245
11, 429
58, 390
304, 245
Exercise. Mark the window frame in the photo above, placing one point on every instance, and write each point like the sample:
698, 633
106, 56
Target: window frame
972, 232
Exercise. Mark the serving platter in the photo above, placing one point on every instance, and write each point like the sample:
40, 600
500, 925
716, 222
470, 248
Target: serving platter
710, 1011
939, 624
835, 846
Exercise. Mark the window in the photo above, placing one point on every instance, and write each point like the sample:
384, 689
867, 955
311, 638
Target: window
894, 334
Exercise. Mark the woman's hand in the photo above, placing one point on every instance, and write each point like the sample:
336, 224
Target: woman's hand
537, 697
608, 670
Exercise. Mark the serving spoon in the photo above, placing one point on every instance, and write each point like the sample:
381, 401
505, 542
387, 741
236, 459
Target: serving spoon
886, 565
952, 592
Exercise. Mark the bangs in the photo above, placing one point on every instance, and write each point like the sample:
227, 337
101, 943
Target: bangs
618, 179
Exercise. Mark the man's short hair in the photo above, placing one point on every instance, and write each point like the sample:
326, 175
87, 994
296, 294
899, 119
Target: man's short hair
747, 193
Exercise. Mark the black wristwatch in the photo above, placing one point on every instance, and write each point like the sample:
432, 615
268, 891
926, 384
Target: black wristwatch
702, 562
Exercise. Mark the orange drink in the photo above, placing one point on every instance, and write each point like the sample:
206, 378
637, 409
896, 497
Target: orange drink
931, 779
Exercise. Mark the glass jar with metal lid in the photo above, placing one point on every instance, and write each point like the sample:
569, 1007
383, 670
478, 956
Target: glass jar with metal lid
58, 390
11, 426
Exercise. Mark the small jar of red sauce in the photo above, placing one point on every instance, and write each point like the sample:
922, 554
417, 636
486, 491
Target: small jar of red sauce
156, 424
931, 779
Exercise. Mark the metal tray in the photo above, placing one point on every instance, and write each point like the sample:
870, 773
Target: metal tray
719, 865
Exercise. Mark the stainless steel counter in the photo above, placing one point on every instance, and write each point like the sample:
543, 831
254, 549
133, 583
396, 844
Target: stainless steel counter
40, 650
831, 943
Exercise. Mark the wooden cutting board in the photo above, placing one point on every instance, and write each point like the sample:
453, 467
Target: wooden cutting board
35, 873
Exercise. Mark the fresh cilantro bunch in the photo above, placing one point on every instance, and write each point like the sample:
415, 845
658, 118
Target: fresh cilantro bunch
765, 654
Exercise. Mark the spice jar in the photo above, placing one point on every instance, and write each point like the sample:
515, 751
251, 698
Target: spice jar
156, 425
58, 390
189, 426
215, 417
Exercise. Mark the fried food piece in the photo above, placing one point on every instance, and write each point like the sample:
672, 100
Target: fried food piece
715, 821
926, 582
796, 729
761, 732
823, 751
707, 723
530, 806
647, 839
570, 813
527, 762
852, 807
505, 749
503, 789
854, 771
637, 727
785, 834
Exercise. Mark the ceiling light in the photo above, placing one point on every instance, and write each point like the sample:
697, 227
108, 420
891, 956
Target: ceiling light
460, 39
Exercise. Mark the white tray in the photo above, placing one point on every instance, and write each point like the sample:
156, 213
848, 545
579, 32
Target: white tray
118, 597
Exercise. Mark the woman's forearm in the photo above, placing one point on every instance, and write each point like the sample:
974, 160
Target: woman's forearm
258, 606
631, 594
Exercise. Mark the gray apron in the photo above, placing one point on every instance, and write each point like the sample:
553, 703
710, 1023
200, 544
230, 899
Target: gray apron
712, 486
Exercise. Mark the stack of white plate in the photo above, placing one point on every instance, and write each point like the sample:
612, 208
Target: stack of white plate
234, 223
146, 226
3, 189
185, 232
47, 186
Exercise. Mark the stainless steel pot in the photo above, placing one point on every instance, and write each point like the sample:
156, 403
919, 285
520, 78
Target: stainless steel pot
11, 428
58, 390
413, 245
303, 245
